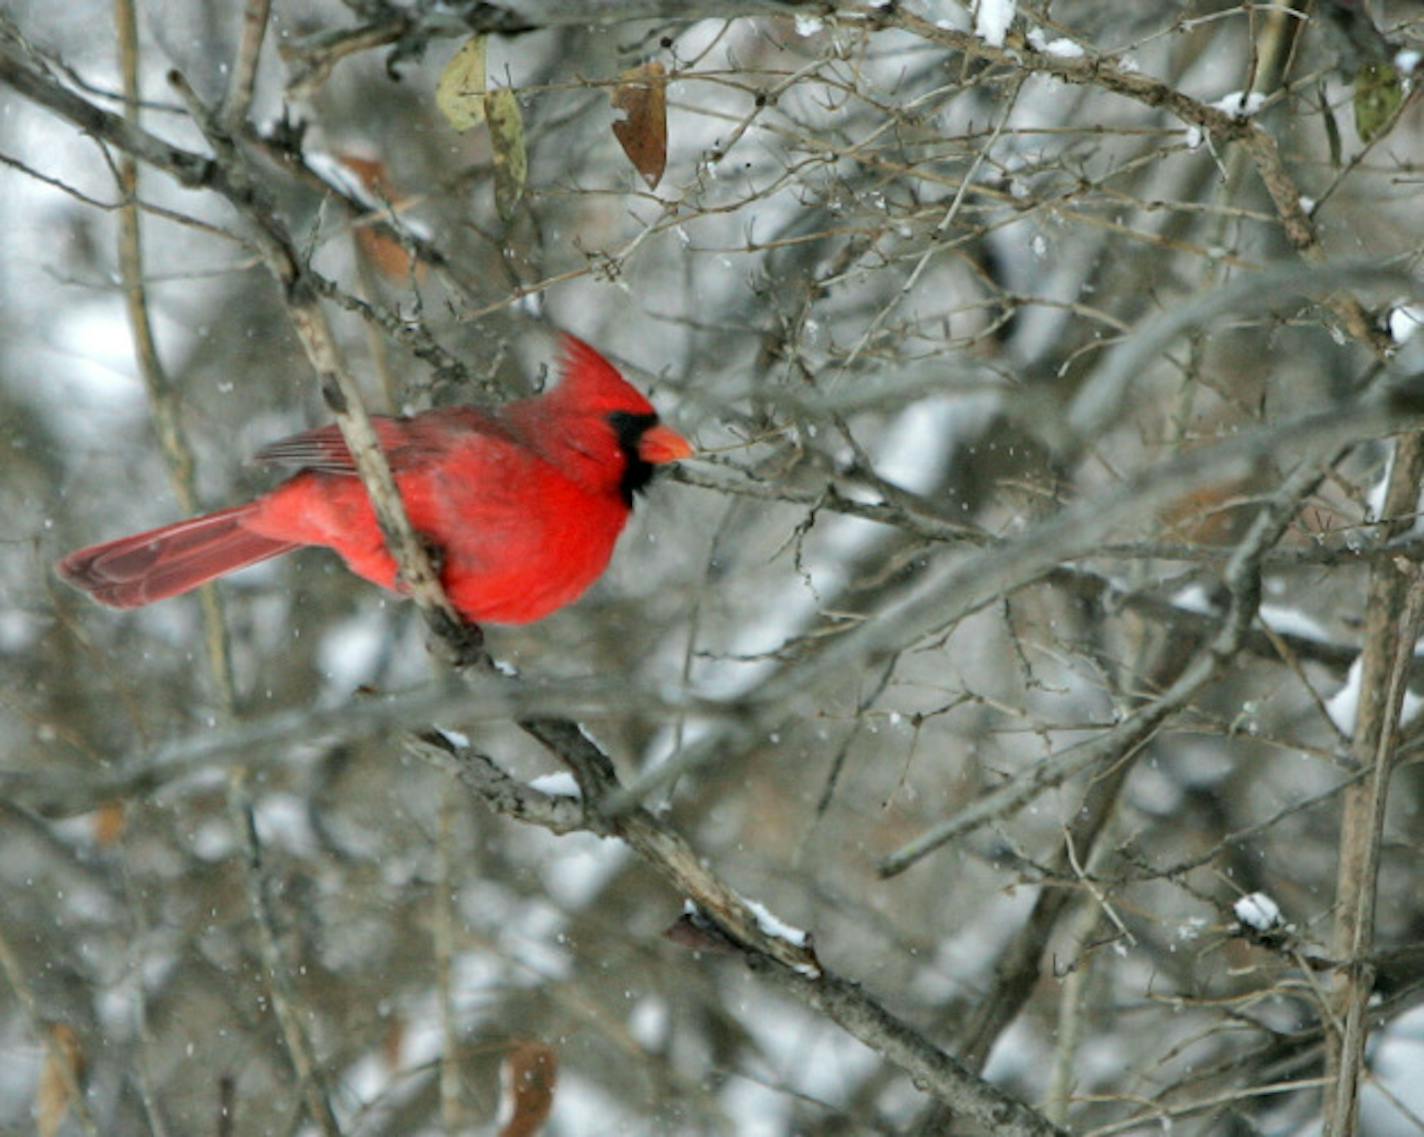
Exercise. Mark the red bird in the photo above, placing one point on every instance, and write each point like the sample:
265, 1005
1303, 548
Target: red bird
522, 504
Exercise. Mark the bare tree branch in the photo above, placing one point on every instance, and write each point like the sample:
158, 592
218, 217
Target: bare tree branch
1393, 616
791, 967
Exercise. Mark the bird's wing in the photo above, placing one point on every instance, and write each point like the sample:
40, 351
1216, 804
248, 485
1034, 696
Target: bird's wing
409, 443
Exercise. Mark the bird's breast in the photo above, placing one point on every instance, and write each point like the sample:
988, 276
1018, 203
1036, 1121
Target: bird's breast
518, 548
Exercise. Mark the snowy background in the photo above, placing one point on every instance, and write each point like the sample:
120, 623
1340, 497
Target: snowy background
896, 250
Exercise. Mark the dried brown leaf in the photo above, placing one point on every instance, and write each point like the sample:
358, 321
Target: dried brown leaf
380, 248
527, 1078
641, 95
692, 930
386, 254
371, 172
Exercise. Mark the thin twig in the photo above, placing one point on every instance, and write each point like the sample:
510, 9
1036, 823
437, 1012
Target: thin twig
162, 396
244, 73
311, 1081
443, 940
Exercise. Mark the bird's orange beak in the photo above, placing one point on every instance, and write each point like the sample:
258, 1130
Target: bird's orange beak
659, 445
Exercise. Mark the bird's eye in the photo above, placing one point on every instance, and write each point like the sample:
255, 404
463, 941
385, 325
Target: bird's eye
630, 428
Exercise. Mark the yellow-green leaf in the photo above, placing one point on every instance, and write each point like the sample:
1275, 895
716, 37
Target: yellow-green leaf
511, 163
460, 94
1378, 95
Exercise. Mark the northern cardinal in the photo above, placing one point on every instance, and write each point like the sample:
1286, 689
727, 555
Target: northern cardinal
521, 504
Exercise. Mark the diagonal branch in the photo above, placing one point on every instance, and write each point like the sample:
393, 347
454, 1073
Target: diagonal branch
20, 71
789, 966
338, 386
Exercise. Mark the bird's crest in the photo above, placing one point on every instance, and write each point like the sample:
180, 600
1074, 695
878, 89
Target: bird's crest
590, 382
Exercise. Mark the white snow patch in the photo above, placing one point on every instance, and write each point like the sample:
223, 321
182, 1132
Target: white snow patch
1258, 911
332, 170
1155, 792
1407, 62
1343, 707
561, 784
778, 929
1293, 622
1020, 1053
1193, 598
1405, 321
808, 25
454, 737
373, 1082
1059, 48
1240, 104
534, 935
774, 926
992, 19
1375, 495
914, 452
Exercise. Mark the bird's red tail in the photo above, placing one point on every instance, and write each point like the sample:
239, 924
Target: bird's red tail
138, 570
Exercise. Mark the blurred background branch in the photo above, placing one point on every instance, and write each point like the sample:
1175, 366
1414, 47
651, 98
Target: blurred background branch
1054, 531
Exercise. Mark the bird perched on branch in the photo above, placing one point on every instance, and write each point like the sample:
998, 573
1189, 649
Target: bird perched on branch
521, 505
